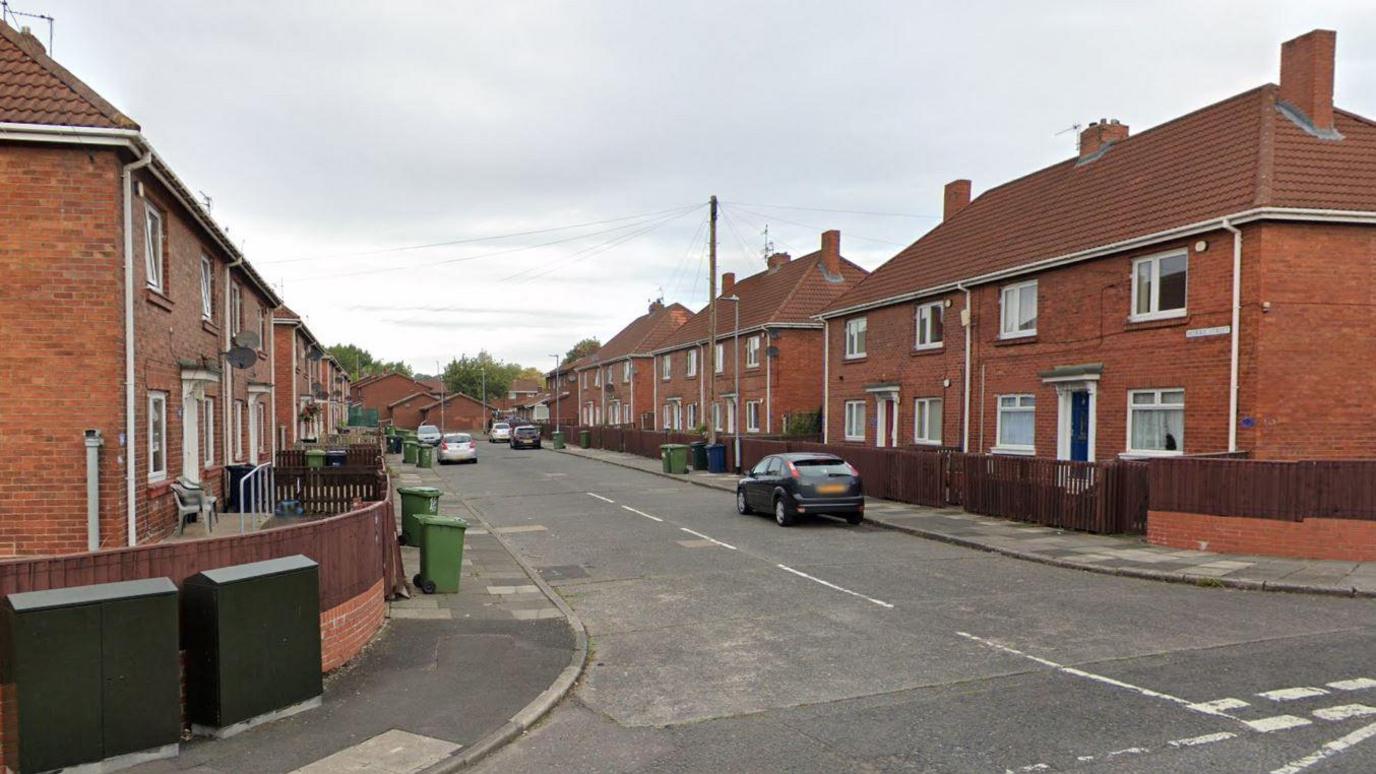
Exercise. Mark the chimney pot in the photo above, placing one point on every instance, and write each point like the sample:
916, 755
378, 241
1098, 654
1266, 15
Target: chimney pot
1100, 133
777, 259
728, 283
831, 252
1306, 75
30, 39
957, 196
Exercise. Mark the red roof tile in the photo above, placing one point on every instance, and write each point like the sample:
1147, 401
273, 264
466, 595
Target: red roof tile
36, 90
642, 336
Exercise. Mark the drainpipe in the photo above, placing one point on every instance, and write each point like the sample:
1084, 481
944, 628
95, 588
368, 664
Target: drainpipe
826, 381
227, 376
768, 389
1237, 320
968, 320
93, 444
631, 362
131, 470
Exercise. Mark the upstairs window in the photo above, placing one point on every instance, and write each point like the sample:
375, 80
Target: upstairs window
153, 247
752, 352
721, 359
1156, 421
855, 336
1019, 310
597, 378
1158, 286
691, 362
930, 327
236, 309
626, 371
207, 289
666, 367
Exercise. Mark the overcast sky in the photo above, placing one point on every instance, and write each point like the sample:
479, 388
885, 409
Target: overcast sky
330, 134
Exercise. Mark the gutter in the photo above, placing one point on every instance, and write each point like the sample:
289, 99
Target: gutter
131, 456
1236, 334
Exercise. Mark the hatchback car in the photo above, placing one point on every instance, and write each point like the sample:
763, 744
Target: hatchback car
457, 447
429, 435
500, 431
790, 485
525, 437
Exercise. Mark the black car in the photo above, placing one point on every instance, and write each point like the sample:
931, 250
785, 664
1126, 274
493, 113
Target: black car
525, 437
790, 485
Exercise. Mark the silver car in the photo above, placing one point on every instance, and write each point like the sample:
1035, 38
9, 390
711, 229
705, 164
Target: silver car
428, 435
501, 431
457, 447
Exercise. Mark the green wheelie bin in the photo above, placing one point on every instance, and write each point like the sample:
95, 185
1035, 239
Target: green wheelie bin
425, 455
699, 455
416, 501
315, 458
584, 438
408, 451
558, 438
674, 456
441, 553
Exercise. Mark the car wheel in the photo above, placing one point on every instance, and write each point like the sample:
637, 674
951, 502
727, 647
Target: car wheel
781, 513
742, 507
855, 518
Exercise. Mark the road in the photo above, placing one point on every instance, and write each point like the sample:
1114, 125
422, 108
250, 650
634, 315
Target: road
726, 643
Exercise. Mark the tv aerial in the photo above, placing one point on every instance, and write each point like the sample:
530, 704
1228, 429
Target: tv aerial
315, 354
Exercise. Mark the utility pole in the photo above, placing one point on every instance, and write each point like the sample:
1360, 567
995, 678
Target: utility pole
486, 412
711, 374
441, 373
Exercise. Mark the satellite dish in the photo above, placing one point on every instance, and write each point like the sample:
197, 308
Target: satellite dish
315, 354
247, 339
241, 357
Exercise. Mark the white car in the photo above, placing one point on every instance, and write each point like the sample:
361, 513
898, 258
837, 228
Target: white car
458, 447
428, 435
501, 431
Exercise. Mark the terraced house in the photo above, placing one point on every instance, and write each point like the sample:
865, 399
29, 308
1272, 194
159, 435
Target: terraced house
776, 347
1202, 286
616, 383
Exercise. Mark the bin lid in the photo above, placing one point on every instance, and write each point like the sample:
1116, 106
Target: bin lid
425, 491
442, 521
674, 446
24, 601
315, 452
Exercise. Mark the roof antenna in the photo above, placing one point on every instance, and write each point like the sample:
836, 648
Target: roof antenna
768, 245
6, 12
1072, 128
209, 202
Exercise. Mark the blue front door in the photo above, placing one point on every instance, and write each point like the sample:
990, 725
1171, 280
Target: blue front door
1079, 425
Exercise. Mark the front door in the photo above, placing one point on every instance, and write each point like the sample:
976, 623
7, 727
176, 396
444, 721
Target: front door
1079, 425
886, 420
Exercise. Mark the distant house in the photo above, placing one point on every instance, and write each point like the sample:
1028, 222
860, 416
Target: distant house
408, 410
522, 389
460, 412
380, 392
615, 383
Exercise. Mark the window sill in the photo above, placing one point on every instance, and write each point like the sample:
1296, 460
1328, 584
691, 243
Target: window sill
1150, 323
209, 326
1171, 314
1013, 451
924, 442
1013, 341
854, 439
921, 351
854, 359
158, 299
158, 487
1145, 455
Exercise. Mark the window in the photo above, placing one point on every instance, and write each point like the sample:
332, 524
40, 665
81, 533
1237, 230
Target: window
691, 358
716, 417
597, 378
157, 436
752, 352
1019, 313
262, 329
583, 379
721, 358
692, 415
752, 416
262, 427
236, 309
611, 375
1158, 286
855, 337
209, 431
927, 421
930, 328
1156, 421
668, 417
666, 367
153, 247
730, 415
626, 372
616, 413
207, 289
855, 420
238, 430
1016, 430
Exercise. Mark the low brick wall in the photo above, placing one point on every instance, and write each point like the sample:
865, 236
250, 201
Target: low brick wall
1351, 540
347, 627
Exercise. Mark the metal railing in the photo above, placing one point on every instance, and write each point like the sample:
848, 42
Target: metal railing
256, 494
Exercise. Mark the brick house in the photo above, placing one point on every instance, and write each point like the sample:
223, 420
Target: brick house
128, 298
616, 383
381, 391
523, 389
778, 350
558, 404
303, 407
461, 413
1162, 293
408, 410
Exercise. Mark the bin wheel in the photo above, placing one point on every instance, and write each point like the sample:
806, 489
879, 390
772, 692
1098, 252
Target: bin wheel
428, 586
401, 539
415, 580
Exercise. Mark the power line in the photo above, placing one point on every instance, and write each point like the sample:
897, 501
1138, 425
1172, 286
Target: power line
608, 245
766, 218
844, 212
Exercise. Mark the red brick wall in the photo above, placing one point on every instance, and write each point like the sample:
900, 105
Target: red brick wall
346, 628
408, 413
284, 367
1349, 540
380, 393
459, 414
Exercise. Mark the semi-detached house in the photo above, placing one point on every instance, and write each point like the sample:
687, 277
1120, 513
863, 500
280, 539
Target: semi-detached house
314, 389
1203, 286
121, 299
776, 348
616, 383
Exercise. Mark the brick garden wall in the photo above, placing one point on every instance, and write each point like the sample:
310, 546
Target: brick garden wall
1351, 540
347, 627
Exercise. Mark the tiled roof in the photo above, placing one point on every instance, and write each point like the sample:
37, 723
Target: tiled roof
417, 393
1232, 156
524, 385
36, 90
451, 397
792, 293
644, 334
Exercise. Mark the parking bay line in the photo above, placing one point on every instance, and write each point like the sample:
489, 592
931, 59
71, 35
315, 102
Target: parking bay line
600, 497
708, 538
830, 585
1328, 750
642, 513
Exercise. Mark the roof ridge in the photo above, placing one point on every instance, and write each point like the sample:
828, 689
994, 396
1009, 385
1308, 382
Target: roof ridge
1266, 147
802, 280
66, 78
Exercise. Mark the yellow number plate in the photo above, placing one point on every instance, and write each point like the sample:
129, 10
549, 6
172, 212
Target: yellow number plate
831, 488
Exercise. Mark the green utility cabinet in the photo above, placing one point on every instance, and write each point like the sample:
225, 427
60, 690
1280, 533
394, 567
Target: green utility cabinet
95, 672
252, 639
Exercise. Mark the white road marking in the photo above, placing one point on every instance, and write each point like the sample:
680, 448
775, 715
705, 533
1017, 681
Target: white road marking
1344, 712
1291, 694
1355, 684
707, 537
1222, 705
642, 513
600, 497
800, 574
1328, 750
1203, 709
522, 528
1277, 723
1195, 741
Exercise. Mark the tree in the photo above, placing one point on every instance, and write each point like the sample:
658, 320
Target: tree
533, 374
582, 349
359, 362
466, 374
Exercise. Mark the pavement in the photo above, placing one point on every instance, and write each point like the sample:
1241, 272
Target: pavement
1127, 555
449, 677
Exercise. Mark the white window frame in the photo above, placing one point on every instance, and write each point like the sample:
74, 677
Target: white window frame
1010, 309
238, 446
854, 420
716, 417
157, 435
207, 289
1157, 406
691, 358
236, 308
720, 365
209, 422
262, 329
626, 372
923, 317
1021, 405
752, 416
262, 426
597, 378
666, 367
752, 352
926, 432
153, 247
856, 329
1154, 302
692, 415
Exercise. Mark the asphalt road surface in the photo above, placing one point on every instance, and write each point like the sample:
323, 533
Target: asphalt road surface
723, 642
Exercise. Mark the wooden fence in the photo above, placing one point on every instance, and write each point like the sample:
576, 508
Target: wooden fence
328, 491
353, 549
1266, 489
358, 455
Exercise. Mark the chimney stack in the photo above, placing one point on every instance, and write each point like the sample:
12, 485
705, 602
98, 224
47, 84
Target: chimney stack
957, 196
656, 305
1306, 76
1100, 133
728, 283
831, 252
776, 260
30, 39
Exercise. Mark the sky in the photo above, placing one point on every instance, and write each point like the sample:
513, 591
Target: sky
426, 180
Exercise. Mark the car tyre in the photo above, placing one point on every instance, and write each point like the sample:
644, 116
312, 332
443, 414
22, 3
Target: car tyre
742, 507
781, 513
854, 518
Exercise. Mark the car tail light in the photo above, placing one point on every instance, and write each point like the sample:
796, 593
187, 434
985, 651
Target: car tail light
853, 471
472, 444
444, 446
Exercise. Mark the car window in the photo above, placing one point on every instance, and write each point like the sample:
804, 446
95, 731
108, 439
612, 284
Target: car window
761, 467
822, 467
501, 426
776, 466
428, 429
458, 438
